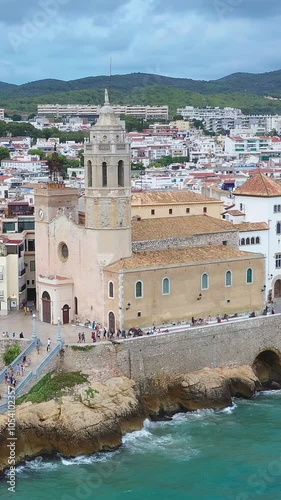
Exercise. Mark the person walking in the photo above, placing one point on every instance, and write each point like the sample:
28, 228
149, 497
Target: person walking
83, 337
48, 344
38, 346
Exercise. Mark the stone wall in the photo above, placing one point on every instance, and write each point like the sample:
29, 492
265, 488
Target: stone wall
231, 239
227, 344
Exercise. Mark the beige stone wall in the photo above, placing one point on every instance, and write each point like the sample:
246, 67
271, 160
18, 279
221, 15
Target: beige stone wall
214, 209
185, 281
171, 354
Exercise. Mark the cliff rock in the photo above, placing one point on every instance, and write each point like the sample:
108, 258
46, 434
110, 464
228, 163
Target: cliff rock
95, 418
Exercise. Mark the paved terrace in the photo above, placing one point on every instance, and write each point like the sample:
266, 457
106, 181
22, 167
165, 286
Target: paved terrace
18, 322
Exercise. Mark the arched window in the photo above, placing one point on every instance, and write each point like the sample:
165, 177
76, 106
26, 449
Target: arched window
275, 208
166, 286
249, 274
279, 208
258, 240
247, 241
104, 174
75, 305
90, 174
253, 241
278, 228
111, 290
139, 290
121, 173
243, 241
204, 281
228, 278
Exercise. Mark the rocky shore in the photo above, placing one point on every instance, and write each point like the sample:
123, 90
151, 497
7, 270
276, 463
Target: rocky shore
94, 417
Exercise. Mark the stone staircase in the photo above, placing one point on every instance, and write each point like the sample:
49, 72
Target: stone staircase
36, 359
41, 364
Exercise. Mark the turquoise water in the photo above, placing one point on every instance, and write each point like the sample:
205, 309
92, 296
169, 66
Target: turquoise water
231, 454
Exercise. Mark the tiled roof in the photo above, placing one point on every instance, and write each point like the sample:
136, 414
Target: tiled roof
177, 227
180, 256
169, 197
259, 185
234, 213
251, 226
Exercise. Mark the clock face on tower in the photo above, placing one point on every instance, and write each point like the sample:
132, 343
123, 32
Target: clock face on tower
40, 214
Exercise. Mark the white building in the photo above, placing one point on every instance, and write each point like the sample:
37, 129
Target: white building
259, 198
145, 112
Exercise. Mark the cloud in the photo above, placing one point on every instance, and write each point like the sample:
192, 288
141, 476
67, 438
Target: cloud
205, 39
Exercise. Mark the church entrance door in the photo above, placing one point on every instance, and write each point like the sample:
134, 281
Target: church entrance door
46, 307
111, 322
277, 289
65, 314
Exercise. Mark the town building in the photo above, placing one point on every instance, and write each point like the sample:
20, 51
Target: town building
143, 112
101, 265
257, 212
159, 204
17, 257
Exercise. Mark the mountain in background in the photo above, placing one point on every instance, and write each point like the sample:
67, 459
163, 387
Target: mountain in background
243, 90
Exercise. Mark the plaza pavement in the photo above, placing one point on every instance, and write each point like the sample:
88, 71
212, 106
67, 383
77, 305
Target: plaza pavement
17, 322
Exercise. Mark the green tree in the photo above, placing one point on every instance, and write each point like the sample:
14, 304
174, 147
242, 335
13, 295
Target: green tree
11, 354
16, 118
81, 157
38, 152
4, 153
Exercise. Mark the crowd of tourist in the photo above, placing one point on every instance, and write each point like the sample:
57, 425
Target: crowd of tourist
16, 370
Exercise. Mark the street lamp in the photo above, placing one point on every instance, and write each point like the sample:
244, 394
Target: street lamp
59, 337
34, 327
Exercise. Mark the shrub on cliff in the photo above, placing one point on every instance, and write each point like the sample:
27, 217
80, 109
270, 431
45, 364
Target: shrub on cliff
11, 353
52, 386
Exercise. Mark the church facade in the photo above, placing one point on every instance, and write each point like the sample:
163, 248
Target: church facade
89, 267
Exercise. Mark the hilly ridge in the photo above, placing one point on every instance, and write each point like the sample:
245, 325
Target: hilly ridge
244, 90
260, 84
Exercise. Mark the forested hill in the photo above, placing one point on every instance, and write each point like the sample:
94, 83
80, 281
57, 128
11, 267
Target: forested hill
244, 90
260, 84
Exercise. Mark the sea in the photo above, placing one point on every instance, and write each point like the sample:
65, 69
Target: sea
231, 454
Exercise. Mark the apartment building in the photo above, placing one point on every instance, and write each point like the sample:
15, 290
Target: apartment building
263, 146
144, 112
2, 114
17, 258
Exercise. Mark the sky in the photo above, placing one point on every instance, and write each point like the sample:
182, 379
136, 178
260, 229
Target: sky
200, 39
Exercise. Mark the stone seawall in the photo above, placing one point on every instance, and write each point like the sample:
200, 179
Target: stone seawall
220, 345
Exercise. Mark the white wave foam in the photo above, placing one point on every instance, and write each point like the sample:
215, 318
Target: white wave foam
36, 465
229, 409
269, 392
89, 459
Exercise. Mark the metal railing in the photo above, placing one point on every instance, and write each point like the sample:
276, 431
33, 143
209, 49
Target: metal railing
23, 383
47, 359
32, 376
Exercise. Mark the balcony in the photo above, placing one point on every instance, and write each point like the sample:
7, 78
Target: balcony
22, 288
22, 272
104, 147
1, 276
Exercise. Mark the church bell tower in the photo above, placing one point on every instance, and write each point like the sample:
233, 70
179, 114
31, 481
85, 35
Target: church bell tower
108, 185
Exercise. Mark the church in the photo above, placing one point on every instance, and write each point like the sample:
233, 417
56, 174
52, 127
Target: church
94, 261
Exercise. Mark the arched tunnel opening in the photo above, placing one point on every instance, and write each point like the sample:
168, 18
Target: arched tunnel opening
267, 367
